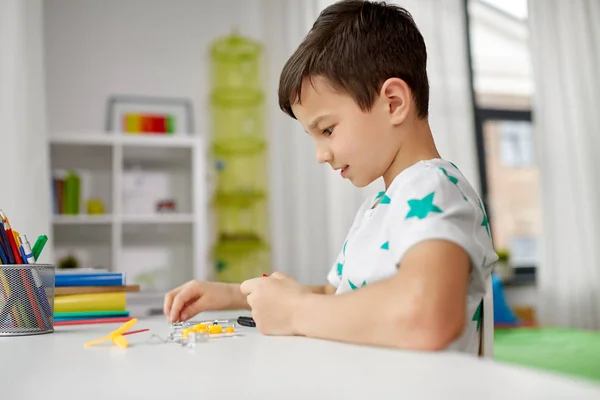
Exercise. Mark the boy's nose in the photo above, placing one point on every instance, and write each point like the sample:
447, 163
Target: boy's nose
323, 156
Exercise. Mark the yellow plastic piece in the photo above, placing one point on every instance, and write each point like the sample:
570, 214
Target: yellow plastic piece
230, 329
120, 341
115, 336
186, 332
198, 327
215, 329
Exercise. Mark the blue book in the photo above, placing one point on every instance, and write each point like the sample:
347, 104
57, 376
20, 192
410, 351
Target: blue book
100, 279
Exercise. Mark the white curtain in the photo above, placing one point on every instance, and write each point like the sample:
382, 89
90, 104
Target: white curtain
312, 207
565, 43
24, 177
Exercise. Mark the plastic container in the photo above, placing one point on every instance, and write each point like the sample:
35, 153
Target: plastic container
240, 168
26, 299
237, 114
237, 261
241, 217
235, 62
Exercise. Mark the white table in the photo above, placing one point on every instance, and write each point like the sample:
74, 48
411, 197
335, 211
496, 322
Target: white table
57, 366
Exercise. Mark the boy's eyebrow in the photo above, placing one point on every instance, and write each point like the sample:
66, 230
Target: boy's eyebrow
315, 123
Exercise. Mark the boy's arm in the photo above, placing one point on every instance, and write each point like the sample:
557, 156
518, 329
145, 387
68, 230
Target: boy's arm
323, 289
422, 307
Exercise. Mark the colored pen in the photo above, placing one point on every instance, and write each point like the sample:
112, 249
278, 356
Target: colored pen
11, 239
38, 246
246, 321
27, 253
28, 259
3, 256
6, 244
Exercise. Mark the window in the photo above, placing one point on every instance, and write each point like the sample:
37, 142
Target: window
502, 93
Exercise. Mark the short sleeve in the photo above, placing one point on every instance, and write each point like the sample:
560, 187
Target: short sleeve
435, 204
334, 277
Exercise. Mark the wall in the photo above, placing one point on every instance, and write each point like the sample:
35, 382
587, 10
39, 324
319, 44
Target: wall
25, 181
95, 49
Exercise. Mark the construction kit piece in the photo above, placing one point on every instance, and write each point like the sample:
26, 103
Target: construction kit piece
189, 333
185, 333
118, 335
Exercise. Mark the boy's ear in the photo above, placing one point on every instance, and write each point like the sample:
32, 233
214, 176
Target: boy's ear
396, 94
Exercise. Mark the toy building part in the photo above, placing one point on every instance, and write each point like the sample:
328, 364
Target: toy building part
117, 336
190, 333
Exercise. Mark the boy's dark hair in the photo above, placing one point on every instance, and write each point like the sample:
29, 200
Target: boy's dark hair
357, 45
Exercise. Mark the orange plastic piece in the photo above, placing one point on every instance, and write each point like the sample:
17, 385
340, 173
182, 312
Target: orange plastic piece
230, 329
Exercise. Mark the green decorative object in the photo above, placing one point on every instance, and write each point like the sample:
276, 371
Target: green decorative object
239, 159
71, 193
235, 62
238, 261
69, 262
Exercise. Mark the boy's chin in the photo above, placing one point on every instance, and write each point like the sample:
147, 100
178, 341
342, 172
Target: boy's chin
360, 182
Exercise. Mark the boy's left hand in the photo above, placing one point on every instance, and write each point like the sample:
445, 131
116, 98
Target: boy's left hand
273, 300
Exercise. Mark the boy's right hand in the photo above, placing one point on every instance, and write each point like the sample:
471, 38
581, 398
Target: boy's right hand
193, 297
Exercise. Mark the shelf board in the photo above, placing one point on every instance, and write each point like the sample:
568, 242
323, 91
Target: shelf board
176, 218
158, 140
83, 139
82, 219
108, 139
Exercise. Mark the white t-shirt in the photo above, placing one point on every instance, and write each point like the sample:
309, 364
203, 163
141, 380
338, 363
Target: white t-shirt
429, 200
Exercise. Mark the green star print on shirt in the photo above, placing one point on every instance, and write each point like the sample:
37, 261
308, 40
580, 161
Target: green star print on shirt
485, 221
454, 180
450, 177
477, 315
353, 286
421, 208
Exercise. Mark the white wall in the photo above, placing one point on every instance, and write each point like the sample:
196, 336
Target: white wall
24, 191
96, 49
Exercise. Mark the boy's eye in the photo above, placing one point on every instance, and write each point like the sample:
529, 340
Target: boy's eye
328, 131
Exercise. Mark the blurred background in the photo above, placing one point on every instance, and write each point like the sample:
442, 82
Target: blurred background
143, 137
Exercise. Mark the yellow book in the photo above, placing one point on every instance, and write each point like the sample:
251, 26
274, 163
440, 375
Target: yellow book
90, 302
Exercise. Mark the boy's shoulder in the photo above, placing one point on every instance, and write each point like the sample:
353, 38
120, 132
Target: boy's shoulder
433, 200
436, 178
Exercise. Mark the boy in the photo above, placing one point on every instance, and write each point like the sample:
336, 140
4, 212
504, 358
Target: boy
412, 271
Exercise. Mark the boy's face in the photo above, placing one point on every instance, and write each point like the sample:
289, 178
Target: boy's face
361, 145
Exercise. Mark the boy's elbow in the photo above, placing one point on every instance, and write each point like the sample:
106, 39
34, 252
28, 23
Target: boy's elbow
428, 331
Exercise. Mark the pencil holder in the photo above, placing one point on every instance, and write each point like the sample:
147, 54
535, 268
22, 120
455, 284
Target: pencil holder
26, 299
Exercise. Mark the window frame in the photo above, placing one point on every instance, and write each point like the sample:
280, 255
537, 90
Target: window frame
524, 274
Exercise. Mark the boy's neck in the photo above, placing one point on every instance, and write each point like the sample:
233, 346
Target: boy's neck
417, 145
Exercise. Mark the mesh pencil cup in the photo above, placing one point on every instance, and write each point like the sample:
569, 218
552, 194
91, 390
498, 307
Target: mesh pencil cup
26, 299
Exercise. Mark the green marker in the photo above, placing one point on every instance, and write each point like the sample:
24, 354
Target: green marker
39, 245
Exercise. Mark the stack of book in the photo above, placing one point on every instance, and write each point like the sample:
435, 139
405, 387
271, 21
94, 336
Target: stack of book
91, 297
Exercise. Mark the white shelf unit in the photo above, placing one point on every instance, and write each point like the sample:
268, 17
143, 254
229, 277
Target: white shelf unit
157, 250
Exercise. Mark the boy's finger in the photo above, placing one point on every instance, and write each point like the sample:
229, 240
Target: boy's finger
168, 301
250, 285
192, 309
179, 302
278, 275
